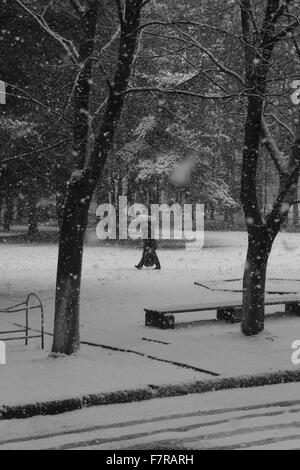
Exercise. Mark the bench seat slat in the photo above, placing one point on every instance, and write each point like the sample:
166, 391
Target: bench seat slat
219, 305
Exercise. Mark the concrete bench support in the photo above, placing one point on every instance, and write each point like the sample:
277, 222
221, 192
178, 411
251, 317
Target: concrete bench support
292, 308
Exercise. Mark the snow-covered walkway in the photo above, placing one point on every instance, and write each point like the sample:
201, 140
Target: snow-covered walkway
114, 295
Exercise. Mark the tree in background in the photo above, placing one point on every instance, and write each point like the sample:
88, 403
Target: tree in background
37, 97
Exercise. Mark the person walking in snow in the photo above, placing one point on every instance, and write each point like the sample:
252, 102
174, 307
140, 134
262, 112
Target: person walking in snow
149, 257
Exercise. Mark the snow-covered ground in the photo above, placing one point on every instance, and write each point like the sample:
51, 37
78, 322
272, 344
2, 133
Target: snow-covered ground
114, 295
264, 418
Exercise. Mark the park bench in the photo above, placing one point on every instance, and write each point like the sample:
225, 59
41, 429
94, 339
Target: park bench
24, 307
228, 311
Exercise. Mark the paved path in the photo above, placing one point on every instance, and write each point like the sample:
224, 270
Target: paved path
261, 418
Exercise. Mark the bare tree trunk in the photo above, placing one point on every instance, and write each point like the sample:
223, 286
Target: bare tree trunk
32, 217
228, 216
258, 54
74, 223
73, 212
86, 175
8, 213
254, 282
261, 235
60, 198
296, 213
257, 256
20, 210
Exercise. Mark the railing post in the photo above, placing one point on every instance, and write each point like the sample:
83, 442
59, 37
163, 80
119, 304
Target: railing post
2, 353
42, 326
27, 320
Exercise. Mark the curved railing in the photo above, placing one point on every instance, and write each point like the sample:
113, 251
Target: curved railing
26, 307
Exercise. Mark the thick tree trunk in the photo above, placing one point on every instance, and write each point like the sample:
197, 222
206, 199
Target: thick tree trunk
254, 282
87, 168
60, 198
259, 242
67, 304
261, 235
73, 204
256, 263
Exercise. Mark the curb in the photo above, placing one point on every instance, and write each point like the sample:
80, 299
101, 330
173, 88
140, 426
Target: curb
150, 392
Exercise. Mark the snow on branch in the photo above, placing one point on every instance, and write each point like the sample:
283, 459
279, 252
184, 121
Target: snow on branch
120, 10
288, 29
65, 43
179, 92
80, 9
39, 103
34, 152
270, 144
281, 10
206, 51
281, 123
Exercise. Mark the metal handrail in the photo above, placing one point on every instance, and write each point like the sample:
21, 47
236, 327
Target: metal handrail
27, 308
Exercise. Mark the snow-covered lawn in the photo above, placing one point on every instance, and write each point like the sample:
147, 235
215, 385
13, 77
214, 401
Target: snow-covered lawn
114, 295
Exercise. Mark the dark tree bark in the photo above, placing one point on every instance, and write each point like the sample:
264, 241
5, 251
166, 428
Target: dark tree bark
74, 223
262, 235
20, 210
296, 211
259, 247
87, 171
258, 55
212, 212
73, 212
32, 216
8, 213
259, 240
228, 217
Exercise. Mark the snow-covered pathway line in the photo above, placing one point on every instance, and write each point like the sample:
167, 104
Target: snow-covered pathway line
138, 353
245, 419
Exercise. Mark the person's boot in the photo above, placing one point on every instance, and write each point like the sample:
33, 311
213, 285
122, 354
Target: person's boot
138, 266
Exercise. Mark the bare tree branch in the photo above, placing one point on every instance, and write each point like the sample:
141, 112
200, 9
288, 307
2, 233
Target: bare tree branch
120, 12
288, 29
39, 103
65, 43
222, 67
34, 152
284, 200
281, 123
296, 45
179, 92
187, 23
270, 144
281, 10
111, 41
80, 9
145, 3
247, 14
